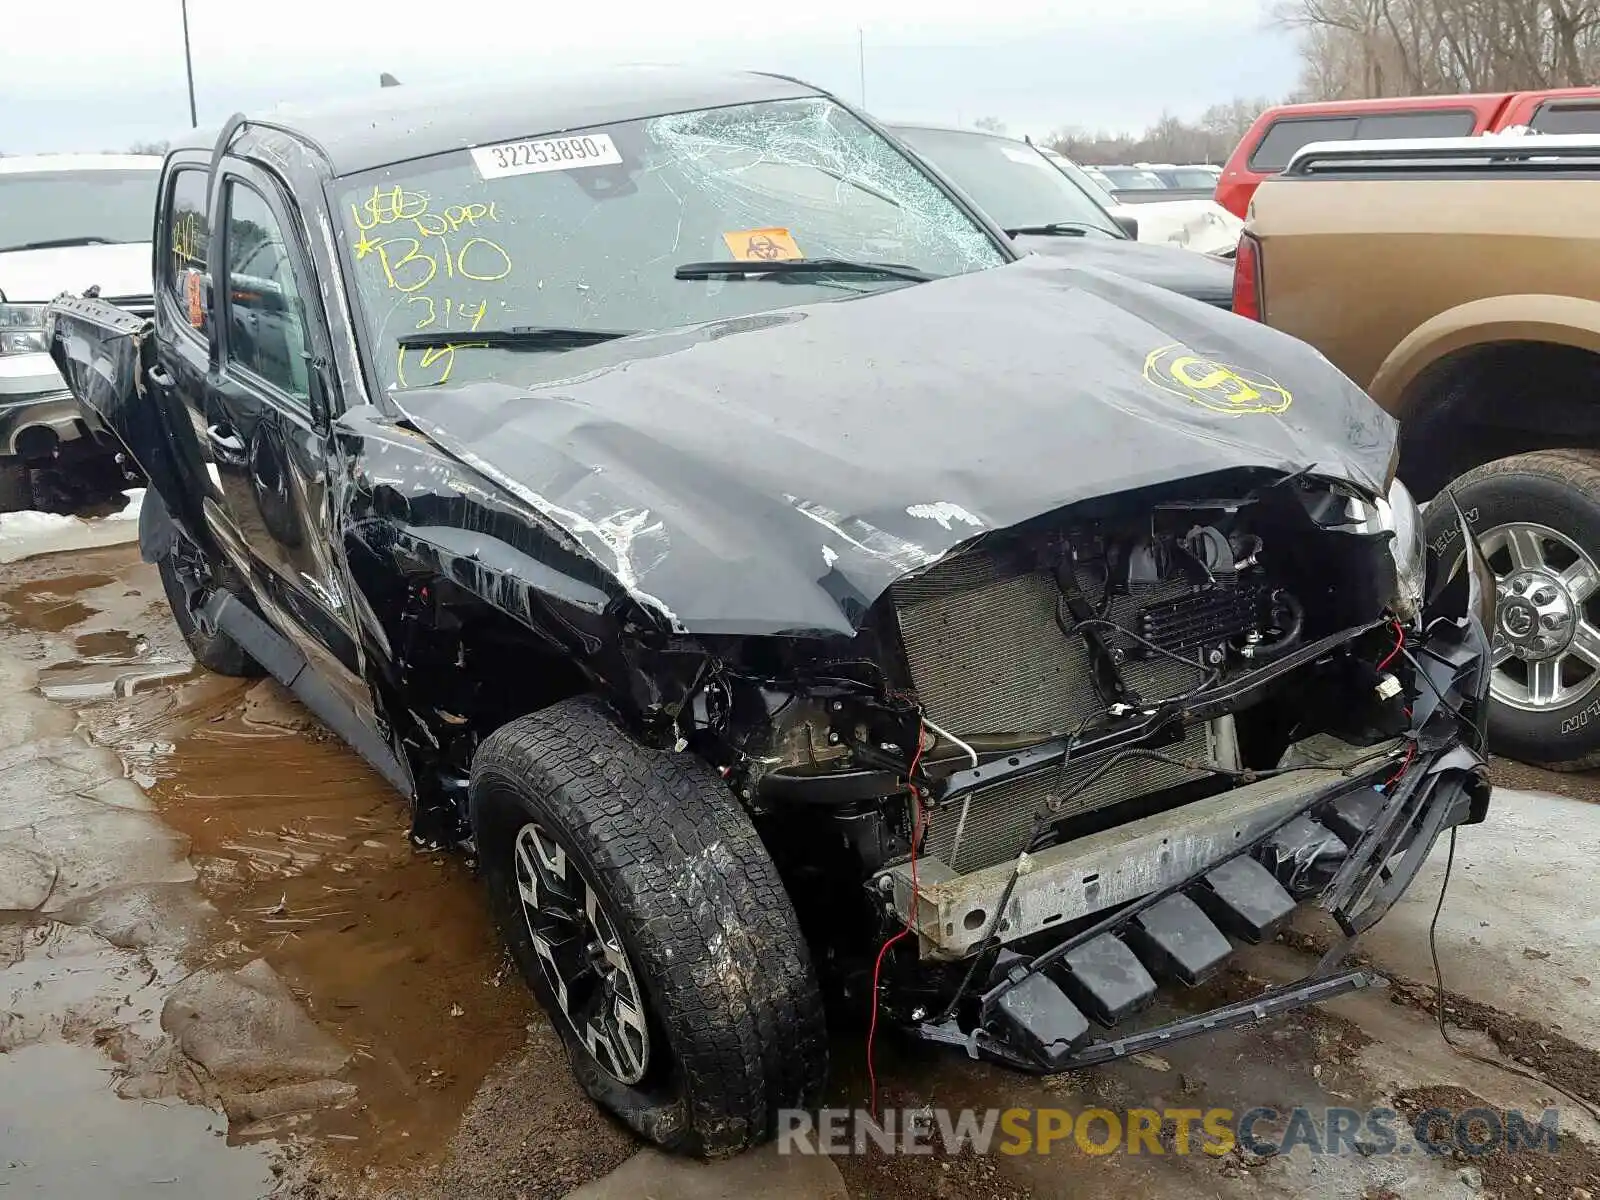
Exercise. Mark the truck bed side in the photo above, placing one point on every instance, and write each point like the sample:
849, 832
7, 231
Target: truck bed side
1356, 265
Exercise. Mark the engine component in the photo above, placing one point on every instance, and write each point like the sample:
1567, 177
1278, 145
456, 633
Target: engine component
986, 655
1203, 620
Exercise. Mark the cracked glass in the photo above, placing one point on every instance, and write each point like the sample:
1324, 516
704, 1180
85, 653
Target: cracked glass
437, 249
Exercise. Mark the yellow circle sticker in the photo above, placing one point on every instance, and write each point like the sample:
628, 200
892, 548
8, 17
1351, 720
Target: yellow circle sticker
1215, 385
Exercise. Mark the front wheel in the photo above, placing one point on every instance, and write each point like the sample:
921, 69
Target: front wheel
646, 915
1537, 517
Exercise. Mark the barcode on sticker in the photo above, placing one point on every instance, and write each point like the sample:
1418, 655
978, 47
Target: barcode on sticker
545, 154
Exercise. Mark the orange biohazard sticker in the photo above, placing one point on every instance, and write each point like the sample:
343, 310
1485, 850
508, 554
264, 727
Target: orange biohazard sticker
197, 311
761, 245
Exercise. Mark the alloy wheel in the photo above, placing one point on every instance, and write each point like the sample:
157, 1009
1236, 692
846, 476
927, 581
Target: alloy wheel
582, 958
1546, 636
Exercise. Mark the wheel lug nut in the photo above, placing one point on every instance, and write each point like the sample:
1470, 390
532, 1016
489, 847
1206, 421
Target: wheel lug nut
1544, 595
1553, 620
1519, 586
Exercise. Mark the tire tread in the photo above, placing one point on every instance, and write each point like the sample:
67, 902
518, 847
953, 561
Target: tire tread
664, 832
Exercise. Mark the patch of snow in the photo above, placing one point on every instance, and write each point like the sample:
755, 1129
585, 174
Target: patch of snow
29, 534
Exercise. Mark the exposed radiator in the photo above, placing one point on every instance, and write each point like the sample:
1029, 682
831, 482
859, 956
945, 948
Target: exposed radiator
986, 655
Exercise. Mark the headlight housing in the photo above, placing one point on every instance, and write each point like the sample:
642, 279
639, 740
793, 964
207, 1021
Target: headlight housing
1410, 549
22, 329
1399, 517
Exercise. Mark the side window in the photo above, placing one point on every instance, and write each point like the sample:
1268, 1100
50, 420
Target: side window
266, 316
1286, 136
1555, 117
188, 237
1433, 123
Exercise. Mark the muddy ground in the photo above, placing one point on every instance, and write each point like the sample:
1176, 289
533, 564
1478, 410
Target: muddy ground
224, 972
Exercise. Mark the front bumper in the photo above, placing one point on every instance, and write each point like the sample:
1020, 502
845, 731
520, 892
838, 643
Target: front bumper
1152, 901
29, 377
33, 426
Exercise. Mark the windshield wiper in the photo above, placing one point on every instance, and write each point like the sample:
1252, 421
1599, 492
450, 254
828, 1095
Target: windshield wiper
59, 243
521, 337
736, 269
1055, 229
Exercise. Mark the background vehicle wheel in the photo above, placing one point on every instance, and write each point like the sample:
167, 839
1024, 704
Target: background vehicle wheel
1537, 517
643, 910
189, 579
16, 486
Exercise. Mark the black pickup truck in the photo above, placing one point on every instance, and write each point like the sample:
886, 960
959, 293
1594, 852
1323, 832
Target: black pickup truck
649, 474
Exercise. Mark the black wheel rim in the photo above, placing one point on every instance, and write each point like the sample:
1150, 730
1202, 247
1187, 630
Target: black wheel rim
194, 574
581, 956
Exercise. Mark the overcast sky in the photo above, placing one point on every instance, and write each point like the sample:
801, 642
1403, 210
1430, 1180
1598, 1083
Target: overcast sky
100, 74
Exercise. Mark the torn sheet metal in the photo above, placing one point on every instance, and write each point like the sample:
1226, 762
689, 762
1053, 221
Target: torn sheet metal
777, 475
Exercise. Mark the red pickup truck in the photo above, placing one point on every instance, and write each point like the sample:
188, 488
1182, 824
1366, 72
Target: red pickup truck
1281, 130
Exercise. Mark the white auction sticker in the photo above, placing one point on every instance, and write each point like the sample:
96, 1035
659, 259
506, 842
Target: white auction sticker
1031, 157
545, 154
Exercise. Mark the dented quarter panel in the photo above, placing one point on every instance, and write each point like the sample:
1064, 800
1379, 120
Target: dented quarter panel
731, 497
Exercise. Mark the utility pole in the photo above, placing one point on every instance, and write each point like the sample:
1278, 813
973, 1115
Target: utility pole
188, 66
861, 62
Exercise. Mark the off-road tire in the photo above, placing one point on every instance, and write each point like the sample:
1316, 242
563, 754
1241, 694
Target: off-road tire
734, 1010
1559, 489
215, 651
16, 486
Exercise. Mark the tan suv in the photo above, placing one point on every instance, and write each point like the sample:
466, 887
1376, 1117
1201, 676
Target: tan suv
1458, 280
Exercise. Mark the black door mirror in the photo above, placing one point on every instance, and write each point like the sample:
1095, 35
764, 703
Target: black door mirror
1128, 225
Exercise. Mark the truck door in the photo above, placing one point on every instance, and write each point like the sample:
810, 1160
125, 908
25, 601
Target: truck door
183, 356
265, 422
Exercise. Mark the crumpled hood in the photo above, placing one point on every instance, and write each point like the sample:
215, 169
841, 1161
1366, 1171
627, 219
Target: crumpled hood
1179, 270
776, 473
39, 276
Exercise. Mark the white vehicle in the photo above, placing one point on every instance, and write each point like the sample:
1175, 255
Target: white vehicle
1193, 224
68, 222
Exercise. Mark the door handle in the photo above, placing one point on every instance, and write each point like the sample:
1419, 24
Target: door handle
227, 444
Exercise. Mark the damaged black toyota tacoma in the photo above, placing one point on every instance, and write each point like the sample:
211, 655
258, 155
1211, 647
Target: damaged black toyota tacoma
687, 500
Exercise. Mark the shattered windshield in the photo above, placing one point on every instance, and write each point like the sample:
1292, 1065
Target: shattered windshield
584, 231
1011, 181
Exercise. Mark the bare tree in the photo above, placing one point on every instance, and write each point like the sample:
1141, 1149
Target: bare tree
1352, 48
990, 124
1171, 139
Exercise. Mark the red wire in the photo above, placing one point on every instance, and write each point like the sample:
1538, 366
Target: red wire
1399, 645
877, 967
1411, 747
1411, 752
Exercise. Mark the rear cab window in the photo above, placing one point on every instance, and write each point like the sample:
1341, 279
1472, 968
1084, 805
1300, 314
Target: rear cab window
1288, 134
181, 280
1428, 123
1567, 116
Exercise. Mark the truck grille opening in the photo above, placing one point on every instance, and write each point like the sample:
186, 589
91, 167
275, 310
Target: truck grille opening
986, 655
